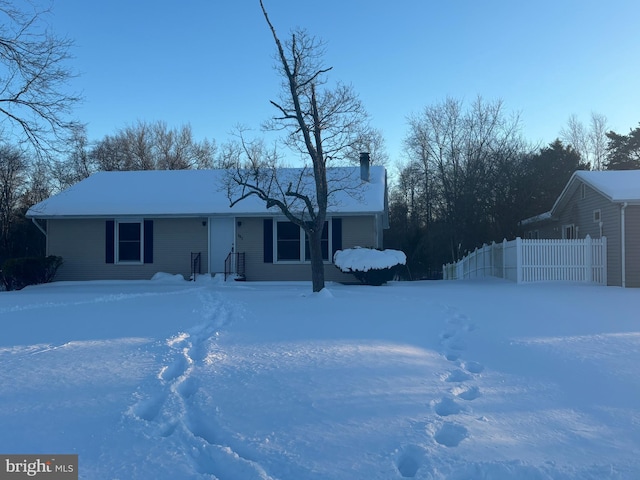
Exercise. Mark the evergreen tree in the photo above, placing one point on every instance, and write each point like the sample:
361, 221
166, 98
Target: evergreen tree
547, 173
624, 150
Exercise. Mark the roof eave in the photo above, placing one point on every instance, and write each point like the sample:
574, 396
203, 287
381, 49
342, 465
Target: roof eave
564, 193
633, 201
84, 216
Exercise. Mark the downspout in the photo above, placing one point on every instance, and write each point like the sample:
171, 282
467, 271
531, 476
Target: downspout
44, 232
623, 252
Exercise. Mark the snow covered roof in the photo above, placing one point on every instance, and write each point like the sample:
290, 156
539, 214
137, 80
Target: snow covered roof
537, 218
616, 185
189, 193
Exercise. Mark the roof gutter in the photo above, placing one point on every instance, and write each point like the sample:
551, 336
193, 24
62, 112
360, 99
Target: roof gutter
35, 222
624, 244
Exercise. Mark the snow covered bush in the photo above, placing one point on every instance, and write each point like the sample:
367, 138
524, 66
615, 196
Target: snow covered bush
17, 273
368, 265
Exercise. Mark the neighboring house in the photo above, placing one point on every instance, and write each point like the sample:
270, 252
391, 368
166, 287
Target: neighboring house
598, 204
130, 225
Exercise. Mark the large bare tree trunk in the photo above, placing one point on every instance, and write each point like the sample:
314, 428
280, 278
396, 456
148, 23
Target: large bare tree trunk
317, 263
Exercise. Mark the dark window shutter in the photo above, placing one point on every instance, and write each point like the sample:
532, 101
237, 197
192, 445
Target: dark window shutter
109, 241
148, 241
336, 236
267, 240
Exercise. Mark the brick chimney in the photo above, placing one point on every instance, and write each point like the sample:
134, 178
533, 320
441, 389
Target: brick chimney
364, 166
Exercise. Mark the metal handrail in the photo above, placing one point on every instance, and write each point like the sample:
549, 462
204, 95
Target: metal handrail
196, 266
234, 264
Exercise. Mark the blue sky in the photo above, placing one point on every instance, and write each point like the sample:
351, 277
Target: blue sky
210, 62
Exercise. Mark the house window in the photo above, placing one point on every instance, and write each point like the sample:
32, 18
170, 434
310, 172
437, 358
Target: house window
288, 241
129, 241
597, 215
569, 232
292, 245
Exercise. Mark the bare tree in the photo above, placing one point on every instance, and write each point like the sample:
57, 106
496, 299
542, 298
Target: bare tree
78, 163
322, 124
203, 154
110, 154
462, 156
575, 134
590, 142
137, 142
151, 146
38, 186
13, 181
34, 101
598, 140
177, 150
371, 141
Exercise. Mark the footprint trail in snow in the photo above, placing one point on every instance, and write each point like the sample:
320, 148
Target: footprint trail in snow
458, 393
173, 410
453, 341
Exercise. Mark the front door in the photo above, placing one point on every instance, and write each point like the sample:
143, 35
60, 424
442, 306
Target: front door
222, 234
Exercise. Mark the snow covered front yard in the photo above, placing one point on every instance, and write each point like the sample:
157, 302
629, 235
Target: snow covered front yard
168, 379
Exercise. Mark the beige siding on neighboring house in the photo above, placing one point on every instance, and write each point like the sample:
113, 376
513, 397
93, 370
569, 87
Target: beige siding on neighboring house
632, 235
580, 212
356, 231
81, 244
593, 213
546, 229
611, 230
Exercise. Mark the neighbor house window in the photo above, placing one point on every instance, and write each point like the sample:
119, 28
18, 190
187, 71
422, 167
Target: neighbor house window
569, 232
129, 241
292, 243
597, 215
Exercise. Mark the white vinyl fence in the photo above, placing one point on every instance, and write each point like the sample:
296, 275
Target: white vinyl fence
528, 261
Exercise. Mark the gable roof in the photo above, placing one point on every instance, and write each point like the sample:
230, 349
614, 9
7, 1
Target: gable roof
617, 186
189, 193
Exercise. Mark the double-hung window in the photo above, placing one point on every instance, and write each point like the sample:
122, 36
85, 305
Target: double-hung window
129, 241
288, 242
292, 243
